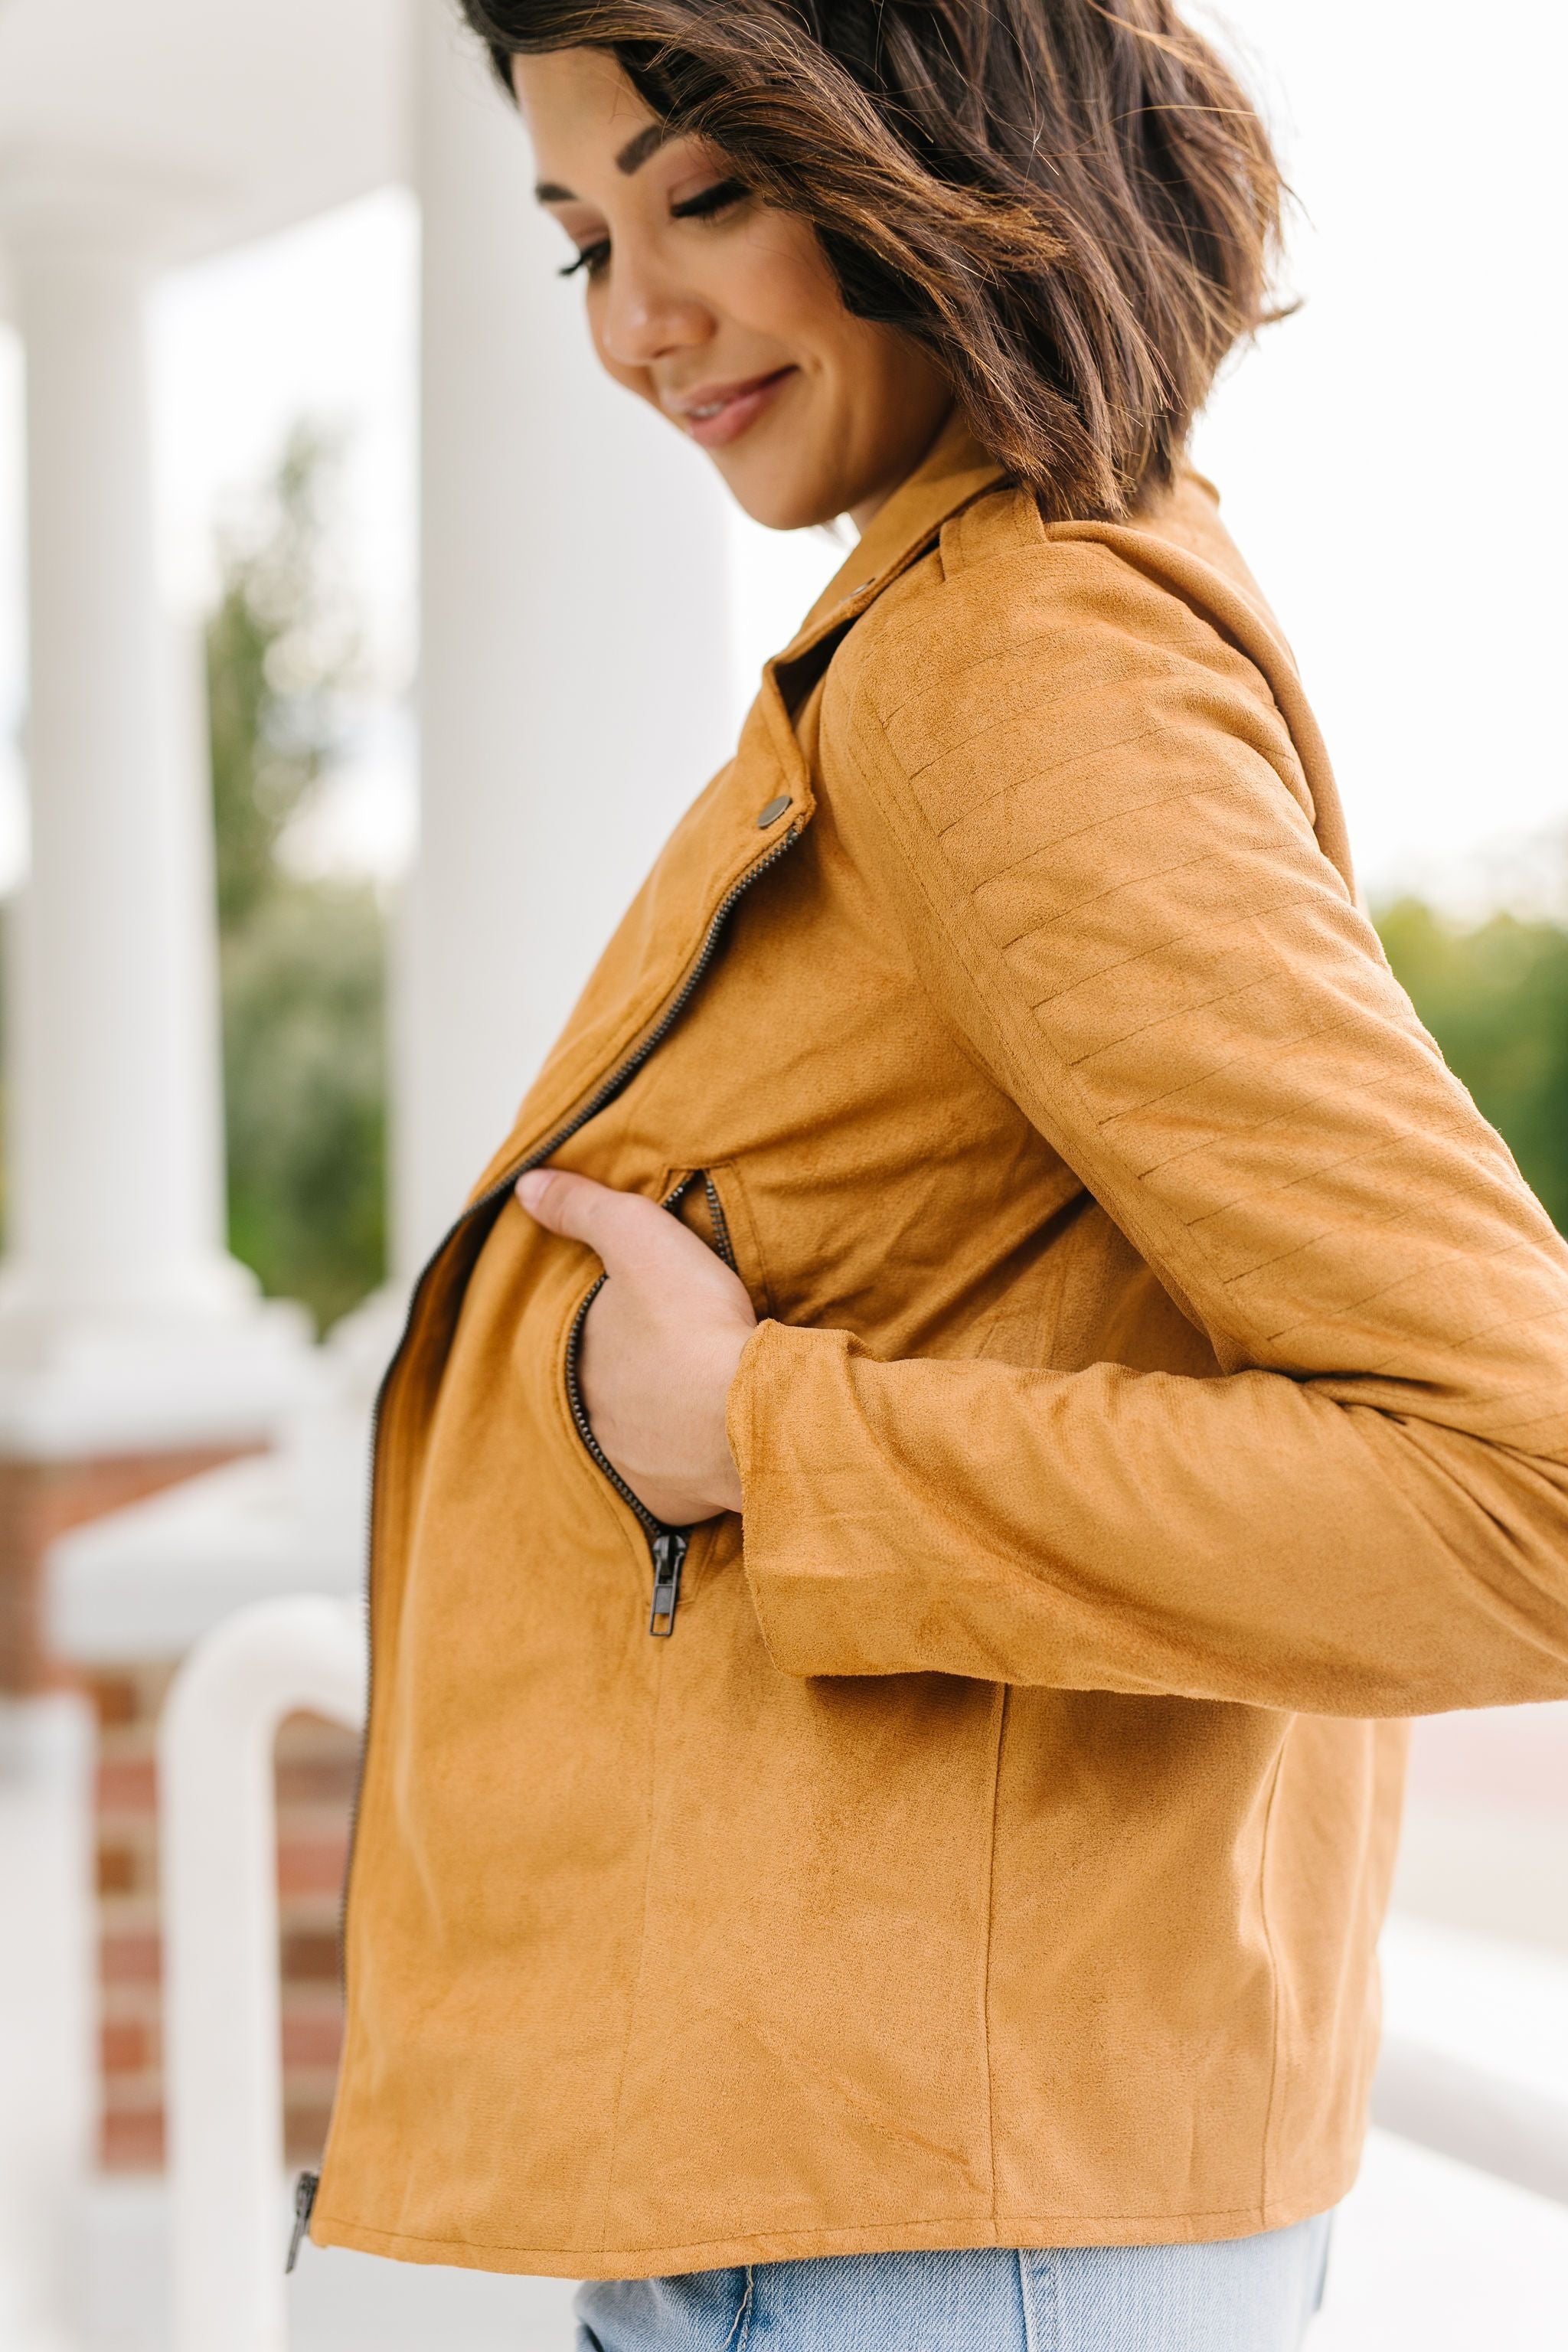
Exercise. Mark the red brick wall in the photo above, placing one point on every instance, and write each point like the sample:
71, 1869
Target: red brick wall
316, 1764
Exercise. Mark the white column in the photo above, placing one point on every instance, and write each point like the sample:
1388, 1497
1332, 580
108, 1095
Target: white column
115, 1263
575, 643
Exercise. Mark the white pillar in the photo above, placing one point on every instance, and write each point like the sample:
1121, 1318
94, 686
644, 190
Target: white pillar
115, 1251
575, 643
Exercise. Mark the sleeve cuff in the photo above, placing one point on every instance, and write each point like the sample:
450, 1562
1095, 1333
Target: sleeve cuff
827, 1579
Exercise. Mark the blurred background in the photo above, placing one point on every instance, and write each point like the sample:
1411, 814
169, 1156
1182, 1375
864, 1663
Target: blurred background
346, 621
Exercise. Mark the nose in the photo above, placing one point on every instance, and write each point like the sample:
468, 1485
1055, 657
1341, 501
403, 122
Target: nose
648, 314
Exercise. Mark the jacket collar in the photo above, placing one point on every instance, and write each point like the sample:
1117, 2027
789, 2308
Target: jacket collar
954, 470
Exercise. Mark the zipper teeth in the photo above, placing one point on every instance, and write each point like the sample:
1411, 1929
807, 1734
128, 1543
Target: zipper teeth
651, 1526
599, 1101
720, 1222
662, 1027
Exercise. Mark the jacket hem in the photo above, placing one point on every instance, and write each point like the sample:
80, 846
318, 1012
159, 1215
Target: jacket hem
1032, 2231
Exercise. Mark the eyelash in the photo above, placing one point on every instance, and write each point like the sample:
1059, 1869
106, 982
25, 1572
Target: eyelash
705, 205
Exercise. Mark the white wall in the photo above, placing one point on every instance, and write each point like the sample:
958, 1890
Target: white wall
1388, 457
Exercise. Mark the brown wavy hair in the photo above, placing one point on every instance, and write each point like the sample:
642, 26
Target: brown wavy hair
1072, 205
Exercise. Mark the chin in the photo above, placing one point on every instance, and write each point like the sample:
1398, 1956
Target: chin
782, 501
781, 511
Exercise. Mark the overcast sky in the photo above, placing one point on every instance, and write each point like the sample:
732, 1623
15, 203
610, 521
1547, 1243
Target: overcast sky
1386, 457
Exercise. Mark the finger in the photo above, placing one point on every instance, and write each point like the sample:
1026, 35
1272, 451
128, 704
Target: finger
625, 1229
564, 1203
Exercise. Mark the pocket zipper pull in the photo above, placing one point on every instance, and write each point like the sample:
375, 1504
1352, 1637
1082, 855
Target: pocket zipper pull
305, 2189
668, 1547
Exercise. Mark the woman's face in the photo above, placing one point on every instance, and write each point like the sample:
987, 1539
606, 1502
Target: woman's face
721, 311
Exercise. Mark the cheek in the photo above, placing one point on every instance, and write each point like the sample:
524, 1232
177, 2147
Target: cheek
777, 283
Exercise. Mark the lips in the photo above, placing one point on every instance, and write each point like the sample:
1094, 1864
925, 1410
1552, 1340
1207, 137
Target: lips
715, 413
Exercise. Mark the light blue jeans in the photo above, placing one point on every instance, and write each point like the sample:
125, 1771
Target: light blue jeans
1248, 2294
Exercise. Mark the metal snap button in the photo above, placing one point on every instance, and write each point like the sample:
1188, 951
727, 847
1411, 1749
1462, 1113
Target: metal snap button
772, 812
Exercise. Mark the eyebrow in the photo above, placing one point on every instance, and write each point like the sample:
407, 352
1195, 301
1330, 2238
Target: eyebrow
630, 158
645, 142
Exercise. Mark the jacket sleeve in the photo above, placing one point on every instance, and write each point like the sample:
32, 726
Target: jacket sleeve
1097, 838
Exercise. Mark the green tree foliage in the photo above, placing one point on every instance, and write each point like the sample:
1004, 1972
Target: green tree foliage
1495, 996
306, 1088
304, 1060
280, 649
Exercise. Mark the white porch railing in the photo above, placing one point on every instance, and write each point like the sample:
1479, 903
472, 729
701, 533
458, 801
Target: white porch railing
1500, 2127
47, 1959
220, 1925
224, 2080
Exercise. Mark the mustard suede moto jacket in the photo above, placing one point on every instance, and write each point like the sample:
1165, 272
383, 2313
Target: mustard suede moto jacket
1161, 1388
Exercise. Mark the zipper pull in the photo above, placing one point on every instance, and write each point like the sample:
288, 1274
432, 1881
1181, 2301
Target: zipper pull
668, 1549
305, 2189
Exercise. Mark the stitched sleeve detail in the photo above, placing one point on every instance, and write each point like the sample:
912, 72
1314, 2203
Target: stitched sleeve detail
1086, 812
1187, 1000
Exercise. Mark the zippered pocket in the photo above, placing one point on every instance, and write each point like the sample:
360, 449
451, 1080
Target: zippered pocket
668, 1546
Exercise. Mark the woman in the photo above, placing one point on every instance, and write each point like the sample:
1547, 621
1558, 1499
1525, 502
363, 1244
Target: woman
1001, 1289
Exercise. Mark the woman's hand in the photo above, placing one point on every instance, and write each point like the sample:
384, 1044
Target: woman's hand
659, 1347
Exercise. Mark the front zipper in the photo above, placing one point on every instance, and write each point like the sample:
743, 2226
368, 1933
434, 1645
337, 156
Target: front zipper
601, 1098
305, 2189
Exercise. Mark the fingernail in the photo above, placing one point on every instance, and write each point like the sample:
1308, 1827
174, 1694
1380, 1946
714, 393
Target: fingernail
529, 1188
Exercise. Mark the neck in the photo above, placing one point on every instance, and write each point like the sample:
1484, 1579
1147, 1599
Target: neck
870, 506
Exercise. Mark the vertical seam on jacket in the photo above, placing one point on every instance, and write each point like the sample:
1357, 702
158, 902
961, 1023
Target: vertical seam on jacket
1268, 1945
637, 1974
990, 1931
